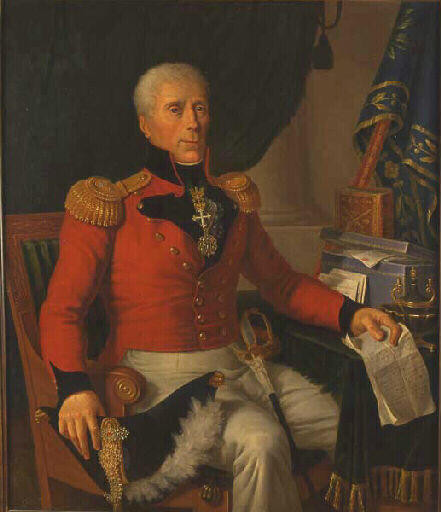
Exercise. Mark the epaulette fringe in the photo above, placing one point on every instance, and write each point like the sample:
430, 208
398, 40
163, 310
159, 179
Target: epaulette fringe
98, 201
241, 189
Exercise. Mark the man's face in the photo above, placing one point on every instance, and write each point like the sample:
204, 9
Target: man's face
179, 121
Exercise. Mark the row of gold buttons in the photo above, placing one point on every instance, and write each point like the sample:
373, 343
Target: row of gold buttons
173, 250
199, 300
201, 318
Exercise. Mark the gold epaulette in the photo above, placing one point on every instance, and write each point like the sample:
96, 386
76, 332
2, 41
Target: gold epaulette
98, 201
241, 189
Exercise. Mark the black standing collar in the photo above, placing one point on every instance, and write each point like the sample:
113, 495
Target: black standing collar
158, 162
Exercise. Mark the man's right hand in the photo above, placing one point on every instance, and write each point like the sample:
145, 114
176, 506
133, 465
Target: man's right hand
78, 414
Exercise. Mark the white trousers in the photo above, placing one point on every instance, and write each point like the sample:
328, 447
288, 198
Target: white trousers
254, 447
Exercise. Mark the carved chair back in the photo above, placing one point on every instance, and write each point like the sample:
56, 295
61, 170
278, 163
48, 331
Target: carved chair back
31, 253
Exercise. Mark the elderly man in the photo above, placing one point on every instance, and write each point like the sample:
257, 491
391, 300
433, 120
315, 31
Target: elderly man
165, 248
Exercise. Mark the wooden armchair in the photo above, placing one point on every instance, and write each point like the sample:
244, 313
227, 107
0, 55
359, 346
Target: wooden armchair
31, 252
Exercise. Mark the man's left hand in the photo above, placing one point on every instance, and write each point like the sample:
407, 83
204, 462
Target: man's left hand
371, 320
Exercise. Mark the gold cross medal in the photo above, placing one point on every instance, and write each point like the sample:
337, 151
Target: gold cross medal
207, 243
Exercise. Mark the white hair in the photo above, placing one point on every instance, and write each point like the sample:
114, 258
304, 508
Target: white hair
150, 82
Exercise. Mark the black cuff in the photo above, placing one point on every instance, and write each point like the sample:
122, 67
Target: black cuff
347, 311
69, 383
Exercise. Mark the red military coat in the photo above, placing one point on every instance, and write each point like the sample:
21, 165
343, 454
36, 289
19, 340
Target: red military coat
151, 276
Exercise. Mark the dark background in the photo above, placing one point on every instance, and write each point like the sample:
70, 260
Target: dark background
69, 69
68, 73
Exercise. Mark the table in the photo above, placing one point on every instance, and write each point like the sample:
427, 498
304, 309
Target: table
371, 461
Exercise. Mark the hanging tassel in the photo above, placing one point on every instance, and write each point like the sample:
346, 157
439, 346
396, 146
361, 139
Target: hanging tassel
362, 498
390, 482
352, 498
414, 487
403, 489
334, 494
397, 474
322, 55
331, 488
427, 486
337, 501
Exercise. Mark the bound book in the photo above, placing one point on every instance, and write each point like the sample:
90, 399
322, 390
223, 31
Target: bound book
365, 210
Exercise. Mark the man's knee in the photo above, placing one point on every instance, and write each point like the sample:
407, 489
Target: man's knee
270, 443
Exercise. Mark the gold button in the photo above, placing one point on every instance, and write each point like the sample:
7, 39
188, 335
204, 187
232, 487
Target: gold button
222, 315
174, 250
186, 265
200, 318
140, 206
224, 331
160, 237
136, 193
221, 298
199, 301
201, 283
202, 335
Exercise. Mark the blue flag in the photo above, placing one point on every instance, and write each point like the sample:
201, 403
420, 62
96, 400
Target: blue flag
406, 92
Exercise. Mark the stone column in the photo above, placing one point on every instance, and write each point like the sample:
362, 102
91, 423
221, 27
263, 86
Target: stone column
288, 213
280, 176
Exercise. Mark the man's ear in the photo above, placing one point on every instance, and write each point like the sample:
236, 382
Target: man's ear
144, 126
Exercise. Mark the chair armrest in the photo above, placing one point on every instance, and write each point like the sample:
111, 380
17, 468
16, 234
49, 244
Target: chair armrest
126, 384
119, 387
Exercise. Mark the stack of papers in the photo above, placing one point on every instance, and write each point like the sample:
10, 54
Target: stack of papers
398, 375
351, 284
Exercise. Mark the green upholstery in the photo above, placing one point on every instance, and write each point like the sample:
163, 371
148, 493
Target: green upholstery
40, 257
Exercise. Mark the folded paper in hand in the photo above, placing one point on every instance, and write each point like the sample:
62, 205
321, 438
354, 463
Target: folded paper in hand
398, 375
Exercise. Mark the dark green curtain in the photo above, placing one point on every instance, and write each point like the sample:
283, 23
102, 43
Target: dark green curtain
69, 69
